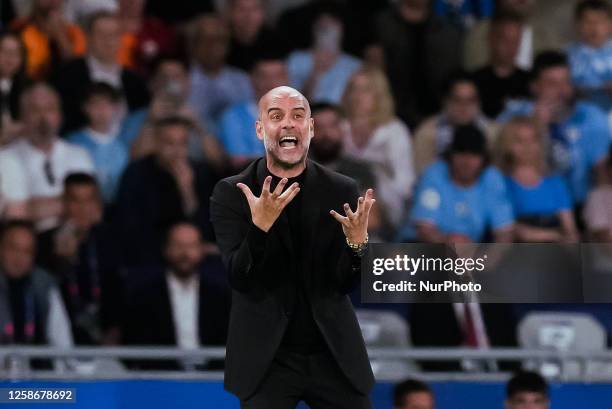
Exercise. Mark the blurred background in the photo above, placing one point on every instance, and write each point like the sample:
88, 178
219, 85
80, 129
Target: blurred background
473, 120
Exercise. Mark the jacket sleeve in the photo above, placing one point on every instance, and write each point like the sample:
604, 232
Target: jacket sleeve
349, 263
243, 245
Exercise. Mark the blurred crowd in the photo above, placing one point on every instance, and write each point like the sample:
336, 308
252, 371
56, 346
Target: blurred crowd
473, 120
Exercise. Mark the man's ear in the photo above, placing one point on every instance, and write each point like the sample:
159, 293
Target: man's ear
311, 127
259, 130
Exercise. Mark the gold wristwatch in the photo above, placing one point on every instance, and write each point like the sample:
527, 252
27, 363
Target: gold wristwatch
358, 248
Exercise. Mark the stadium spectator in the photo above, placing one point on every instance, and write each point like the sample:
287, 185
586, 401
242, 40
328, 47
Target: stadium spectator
541, 200
413, 394
250, 38
160, 189
184, 302
237, 125
501, 79
535, 37
464, 13
323, 71
49, 38
81, 254
12, 81
45, 159
102, 137
378, 138
420, 52
327, 147
215, 86
99, 65
170, 87
461, 107
578, 133
31, 307
598, 209
527, 390
589, 57
460, 198
144, 39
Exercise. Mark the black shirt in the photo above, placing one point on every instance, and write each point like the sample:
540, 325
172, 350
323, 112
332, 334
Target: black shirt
302, 334
495, 91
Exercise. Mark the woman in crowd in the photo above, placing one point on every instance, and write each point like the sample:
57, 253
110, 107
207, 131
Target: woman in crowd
461, 106
541, 201
378, 137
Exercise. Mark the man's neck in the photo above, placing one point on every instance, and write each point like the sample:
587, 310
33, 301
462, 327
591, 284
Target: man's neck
503, 70
183, 278
103, 129
414, 15
283, 172
44, 144
211, 70
106, 65
246, 38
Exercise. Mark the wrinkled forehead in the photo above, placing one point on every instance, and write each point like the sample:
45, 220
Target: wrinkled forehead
283, 101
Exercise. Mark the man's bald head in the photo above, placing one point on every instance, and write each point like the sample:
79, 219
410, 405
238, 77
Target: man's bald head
286, 127
272, 97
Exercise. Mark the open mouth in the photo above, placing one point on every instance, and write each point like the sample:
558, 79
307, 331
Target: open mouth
288, 142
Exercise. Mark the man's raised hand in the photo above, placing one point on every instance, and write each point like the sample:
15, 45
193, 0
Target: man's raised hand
266, 208
355, 224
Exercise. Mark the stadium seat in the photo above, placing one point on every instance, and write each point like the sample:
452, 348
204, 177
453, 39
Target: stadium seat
386, 329
564, 332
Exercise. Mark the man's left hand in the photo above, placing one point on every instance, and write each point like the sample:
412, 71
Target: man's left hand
355, 224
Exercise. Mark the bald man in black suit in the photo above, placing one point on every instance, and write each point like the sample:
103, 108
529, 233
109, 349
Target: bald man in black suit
292, 246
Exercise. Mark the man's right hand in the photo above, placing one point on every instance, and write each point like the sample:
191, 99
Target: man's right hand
266, 208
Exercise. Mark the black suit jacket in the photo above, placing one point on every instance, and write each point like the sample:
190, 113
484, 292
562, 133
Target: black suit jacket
72, 81
260, 267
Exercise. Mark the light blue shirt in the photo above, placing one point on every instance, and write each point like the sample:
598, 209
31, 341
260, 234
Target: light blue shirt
577, 144
211, 96
110, 159
331, 84
237, 130
592, 69
457, 209
548, 198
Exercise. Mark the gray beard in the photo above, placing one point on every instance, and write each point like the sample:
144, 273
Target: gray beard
276, 161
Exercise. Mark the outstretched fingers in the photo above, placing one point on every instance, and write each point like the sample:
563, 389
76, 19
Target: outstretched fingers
342, 219
265, 190
369, 201
349, 212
